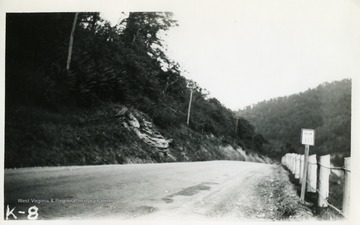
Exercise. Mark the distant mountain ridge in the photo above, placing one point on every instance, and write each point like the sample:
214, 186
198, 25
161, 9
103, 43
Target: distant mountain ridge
326, 108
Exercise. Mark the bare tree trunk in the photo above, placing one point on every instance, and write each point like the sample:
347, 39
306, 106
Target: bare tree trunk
71, 42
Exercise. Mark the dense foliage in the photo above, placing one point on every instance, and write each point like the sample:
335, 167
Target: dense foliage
123, 64
327, 109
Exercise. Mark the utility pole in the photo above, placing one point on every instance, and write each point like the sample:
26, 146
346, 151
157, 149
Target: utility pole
188, 116
237, 120
235, 131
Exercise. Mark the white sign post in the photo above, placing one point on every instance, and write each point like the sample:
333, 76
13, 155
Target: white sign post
307, 139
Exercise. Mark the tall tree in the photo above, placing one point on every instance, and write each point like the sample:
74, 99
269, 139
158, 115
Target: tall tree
68, 61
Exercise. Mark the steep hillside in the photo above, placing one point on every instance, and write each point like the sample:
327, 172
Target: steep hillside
107, 134
327, 109
66, 100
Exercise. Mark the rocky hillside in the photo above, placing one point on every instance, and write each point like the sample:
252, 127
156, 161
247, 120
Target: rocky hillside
117, 99
109, 134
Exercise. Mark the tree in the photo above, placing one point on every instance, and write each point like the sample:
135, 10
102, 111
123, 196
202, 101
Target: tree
71, 42
327, 109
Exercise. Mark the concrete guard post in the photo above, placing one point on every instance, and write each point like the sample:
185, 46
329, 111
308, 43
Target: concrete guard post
312, 174
302, 159
324, 180
346, 197
293, 163
297, 166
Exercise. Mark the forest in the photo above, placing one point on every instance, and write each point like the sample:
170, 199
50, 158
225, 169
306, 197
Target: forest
326, 108
66, 71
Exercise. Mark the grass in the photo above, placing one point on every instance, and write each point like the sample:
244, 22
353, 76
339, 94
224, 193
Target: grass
39, 137
336, 190
335, 197
284, 196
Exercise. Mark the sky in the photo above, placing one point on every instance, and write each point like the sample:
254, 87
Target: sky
244, 52
256, 50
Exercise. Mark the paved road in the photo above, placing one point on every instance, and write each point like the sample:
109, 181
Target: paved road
199, 190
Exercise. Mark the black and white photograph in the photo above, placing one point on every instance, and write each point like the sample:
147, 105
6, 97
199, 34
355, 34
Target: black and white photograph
180, 111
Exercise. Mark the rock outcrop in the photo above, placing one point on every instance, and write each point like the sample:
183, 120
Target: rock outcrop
145, 130
140, 124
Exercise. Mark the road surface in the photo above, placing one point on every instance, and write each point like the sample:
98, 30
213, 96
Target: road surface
215, 190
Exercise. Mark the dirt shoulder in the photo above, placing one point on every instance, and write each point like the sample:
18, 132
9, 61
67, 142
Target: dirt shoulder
267, 196
282, 201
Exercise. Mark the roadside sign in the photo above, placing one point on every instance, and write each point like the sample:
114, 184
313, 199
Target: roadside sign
307, 139
307, 136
